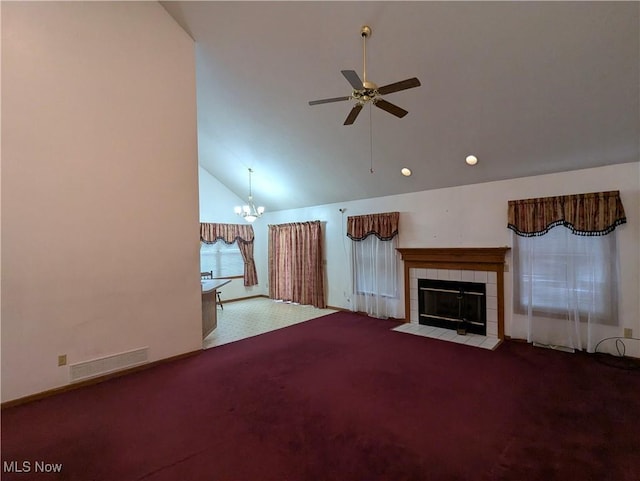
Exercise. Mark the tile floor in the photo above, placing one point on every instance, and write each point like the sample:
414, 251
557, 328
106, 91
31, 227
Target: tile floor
475, 340
242, 319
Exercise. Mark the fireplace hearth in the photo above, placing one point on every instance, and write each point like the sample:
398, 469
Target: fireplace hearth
453, 305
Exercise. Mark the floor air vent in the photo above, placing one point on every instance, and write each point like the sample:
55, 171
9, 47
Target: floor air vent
109, 364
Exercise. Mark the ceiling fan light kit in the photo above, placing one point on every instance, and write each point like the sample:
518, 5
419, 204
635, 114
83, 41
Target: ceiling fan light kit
365, 91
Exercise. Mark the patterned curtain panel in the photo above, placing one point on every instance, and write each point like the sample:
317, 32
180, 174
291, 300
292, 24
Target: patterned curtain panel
296, 271
383, 226
592, 214
230, 233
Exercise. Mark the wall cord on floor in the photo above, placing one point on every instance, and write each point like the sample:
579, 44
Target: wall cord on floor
620, 361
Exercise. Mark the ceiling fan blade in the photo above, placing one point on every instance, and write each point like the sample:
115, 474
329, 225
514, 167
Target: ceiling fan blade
326, 101
353, 78
391, 108
351, 118
402, 85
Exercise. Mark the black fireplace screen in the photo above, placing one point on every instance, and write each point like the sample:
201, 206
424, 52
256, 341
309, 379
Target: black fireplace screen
453, 305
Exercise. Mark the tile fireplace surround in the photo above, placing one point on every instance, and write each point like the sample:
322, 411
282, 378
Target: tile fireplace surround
475, 264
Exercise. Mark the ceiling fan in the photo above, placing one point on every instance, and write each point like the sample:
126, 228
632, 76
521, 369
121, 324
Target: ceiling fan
365, 91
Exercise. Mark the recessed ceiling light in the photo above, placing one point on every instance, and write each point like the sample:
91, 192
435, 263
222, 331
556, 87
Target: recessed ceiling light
406, 172
472, 160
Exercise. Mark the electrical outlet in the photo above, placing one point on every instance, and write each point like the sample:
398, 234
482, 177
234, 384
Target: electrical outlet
628, 332
62, 360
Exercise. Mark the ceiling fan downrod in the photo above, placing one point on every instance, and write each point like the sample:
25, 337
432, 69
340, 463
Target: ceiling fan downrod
365, 32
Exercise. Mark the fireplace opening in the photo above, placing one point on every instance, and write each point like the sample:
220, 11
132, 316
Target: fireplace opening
453, 305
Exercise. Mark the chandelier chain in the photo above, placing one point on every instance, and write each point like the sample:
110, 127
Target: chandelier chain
249, 211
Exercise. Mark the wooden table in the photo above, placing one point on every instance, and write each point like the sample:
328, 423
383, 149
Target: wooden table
209, 301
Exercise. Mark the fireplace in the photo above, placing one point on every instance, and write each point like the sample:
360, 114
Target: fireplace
478, 265
453, 305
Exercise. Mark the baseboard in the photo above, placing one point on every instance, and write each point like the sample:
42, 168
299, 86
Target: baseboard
393, 319
92, 381
236, 299
524, 341
515, 339
342, 309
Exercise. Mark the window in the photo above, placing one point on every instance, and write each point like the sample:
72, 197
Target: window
374, 264
560, 272
375, 267
224, 260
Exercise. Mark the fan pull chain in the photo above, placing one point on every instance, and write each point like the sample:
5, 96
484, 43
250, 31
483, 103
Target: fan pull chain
370, 141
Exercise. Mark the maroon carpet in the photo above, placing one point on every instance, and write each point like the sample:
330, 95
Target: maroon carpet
341, 397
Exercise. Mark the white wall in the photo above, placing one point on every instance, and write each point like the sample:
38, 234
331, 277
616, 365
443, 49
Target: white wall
475, 216
216, 205
99, 188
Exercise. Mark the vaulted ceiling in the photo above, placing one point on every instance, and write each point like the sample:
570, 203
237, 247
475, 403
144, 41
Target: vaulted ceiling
527, 87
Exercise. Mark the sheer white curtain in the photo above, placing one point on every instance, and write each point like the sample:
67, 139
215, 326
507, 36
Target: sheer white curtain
375, 277
566, 287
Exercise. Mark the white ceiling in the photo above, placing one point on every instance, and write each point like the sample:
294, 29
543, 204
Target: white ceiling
528, 87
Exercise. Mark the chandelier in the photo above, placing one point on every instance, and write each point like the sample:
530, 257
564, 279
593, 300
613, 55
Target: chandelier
249, 211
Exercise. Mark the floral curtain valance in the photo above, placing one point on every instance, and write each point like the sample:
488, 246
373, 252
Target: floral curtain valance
228, 233
595, 213
384, 226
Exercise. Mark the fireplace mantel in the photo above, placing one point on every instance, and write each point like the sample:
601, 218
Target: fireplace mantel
481, 258
463, 258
